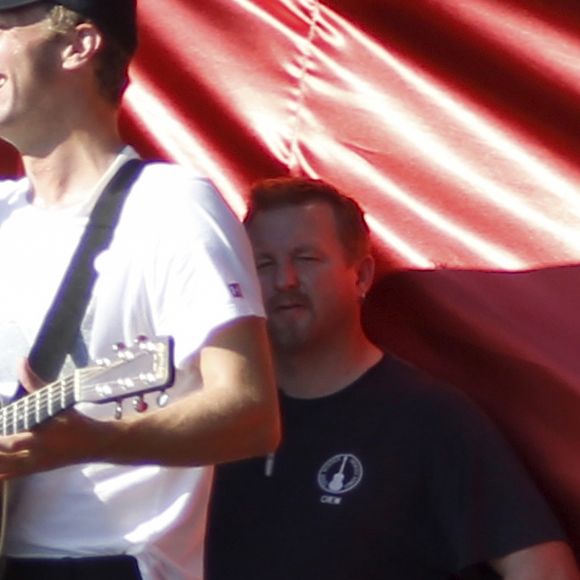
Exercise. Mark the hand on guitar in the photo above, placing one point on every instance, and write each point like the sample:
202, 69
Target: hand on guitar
67, 439
40, 431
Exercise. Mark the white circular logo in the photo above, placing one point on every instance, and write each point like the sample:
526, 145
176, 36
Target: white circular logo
340, 474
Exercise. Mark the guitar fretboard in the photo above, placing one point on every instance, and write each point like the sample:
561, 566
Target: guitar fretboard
26, 413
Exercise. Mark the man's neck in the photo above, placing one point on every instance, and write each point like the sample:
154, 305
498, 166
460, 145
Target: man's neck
65, 155
318, 372
69, 172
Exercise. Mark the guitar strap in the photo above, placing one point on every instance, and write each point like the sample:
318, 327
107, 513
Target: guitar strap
57, 335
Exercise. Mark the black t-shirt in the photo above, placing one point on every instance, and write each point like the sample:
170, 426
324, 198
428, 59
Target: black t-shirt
390, 478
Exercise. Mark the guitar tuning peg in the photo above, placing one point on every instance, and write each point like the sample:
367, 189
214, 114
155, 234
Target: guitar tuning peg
119, 346
140, 405
162, 399
118, 410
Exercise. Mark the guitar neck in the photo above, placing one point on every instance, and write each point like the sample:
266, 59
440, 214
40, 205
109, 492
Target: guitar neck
145, 367
37, 407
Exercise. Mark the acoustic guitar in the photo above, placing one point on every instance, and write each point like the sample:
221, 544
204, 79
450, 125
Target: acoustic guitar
132, 371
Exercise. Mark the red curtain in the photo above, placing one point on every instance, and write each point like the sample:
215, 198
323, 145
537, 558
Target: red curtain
456, 124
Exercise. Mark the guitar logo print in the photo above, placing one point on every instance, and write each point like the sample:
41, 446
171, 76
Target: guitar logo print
340, 474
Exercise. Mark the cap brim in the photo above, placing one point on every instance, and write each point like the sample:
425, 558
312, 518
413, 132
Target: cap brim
9, 4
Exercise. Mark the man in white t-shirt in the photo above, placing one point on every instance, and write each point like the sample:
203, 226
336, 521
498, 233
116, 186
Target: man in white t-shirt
92, 496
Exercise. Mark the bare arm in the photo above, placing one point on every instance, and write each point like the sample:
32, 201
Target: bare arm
548, 561
235, 415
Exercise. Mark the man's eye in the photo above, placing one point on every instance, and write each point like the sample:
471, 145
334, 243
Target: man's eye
262, 264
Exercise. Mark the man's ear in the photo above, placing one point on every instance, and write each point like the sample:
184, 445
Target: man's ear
81, 46
365, 274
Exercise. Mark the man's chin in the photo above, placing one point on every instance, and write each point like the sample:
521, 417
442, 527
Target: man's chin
285, 340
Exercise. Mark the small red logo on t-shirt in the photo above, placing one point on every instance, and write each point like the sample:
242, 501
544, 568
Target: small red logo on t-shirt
236, 290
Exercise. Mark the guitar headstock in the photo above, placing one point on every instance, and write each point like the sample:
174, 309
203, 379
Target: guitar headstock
143, 367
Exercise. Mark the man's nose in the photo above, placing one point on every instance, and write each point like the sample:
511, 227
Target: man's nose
286, 276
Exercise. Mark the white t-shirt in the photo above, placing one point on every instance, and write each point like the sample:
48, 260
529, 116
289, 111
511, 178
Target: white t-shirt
179, 265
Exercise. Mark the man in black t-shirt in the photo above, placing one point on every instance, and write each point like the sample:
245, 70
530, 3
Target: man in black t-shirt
381, 473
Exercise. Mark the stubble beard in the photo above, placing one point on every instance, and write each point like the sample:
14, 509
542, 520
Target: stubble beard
290, 337
22, 119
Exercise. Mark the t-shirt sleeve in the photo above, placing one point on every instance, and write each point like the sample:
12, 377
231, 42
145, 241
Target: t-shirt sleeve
484, 499
201, 274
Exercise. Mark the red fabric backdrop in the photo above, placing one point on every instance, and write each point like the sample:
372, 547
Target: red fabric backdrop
456, 123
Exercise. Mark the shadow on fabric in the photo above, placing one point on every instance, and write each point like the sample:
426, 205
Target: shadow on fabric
510, 341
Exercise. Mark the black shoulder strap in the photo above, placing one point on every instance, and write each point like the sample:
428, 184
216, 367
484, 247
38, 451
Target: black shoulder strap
57, 334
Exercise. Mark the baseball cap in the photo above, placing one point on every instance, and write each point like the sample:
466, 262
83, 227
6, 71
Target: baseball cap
115, 18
